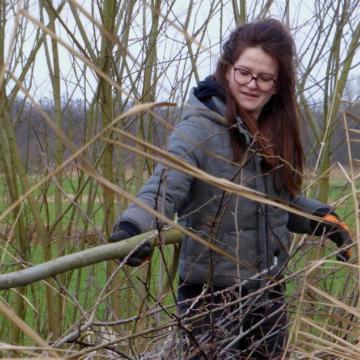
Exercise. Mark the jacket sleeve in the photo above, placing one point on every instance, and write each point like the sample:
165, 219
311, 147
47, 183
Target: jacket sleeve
300, 224
167, 190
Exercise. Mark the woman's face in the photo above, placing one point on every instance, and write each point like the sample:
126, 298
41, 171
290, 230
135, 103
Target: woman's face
250, 94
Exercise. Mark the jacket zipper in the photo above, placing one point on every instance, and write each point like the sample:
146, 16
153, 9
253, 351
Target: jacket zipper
266, 226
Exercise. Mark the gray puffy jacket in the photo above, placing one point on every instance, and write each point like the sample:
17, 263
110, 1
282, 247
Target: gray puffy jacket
255, 233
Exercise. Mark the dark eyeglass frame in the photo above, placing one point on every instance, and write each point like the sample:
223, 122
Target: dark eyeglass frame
254, 78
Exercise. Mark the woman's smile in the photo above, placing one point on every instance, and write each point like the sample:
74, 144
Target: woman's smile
249, 95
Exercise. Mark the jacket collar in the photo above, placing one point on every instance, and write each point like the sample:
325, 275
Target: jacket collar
220, 105
207, 99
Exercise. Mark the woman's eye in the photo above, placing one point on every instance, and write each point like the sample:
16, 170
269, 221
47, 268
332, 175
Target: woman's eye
265, 78
244, 72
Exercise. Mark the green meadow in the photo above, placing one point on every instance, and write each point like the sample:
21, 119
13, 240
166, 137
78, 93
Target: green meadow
85, 292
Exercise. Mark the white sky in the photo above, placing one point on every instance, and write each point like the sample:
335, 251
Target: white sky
301, 12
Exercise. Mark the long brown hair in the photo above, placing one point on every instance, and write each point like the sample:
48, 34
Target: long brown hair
277, 130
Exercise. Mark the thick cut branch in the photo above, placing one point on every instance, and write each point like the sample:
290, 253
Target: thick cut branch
83, 258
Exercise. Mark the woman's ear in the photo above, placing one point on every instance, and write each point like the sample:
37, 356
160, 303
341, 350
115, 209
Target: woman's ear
274, 90
228, 73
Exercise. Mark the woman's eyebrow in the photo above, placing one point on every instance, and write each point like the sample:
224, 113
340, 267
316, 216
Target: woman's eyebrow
247, 68
241, 67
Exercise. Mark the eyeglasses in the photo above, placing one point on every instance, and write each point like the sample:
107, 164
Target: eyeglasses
263, 82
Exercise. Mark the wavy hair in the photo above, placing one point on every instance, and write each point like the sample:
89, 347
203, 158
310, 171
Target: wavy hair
276, 133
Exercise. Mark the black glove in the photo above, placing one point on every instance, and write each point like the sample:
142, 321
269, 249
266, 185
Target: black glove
336, 230
125, 230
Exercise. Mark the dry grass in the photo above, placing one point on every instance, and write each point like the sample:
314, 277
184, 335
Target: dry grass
111, 311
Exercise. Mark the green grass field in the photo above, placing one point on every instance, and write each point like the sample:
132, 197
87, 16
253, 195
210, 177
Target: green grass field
84, 286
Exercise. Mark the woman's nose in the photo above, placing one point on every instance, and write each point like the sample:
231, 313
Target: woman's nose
252, 84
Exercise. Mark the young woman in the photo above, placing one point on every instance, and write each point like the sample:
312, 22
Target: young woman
240, 124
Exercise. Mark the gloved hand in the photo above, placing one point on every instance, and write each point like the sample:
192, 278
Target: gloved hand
336, 230
125, 230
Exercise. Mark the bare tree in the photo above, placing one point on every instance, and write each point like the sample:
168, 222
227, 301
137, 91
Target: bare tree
119, 73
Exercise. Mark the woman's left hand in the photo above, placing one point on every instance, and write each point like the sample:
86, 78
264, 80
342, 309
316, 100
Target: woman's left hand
337, 231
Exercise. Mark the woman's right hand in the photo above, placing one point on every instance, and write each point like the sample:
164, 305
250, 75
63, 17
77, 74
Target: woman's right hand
125, 231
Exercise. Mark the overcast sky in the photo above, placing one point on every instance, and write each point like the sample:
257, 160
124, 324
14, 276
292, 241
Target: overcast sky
301, 12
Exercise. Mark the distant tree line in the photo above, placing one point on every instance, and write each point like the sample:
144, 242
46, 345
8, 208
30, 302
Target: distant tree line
37, 141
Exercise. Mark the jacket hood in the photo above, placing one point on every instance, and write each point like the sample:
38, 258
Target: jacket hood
207, 89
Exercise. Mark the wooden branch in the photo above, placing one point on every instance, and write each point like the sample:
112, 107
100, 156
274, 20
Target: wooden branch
118, 250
